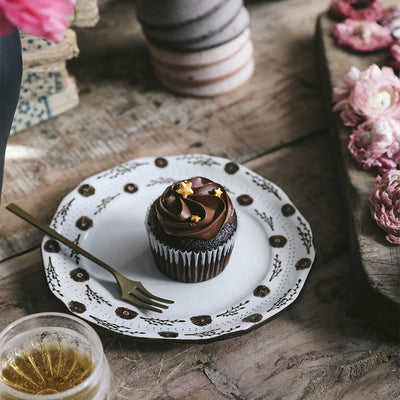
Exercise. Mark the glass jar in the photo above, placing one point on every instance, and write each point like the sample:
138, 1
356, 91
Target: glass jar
53, 356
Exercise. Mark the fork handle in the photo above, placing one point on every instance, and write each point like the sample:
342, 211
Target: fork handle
46, 229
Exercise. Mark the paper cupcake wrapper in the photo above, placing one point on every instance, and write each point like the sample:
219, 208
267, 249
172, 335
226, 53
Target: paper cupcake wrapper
190, 266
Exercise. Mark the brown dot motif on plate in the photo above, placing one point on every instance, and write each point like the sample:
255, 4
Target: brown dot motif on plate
131, 188
288, 210
244, 200
231, 168
201, 320
77, 307
303, 263
125, 313
168, 334
161, 162
277, 241
86, 190
84, 223
253, 318
261, 291
52, 246
79, 275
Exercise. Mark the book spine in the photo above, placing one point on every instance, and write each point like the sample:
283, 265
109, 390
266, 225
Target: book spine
43, 81
32, 112
38, 51
86, 14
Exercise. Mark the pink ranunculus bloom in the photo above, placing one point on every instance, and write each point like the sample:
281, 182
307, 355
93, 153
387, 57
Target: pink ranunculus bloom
362, 35
376, 143
359, 10
46, 18
392, 21
367, 95
385, 204
394, 60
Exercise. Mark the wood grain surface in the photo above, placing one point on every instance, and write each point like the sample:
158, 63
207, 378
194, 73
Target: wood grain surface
320, 347
376, 262
317, 348
124, 113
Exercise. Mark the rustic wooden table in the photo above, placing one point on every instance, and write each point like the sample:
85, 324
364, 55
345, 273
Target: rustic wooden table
319, 347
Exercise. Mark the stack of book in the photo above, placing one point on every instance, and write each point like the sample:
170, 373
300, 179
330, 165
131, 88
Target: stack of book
47, 88
86, 13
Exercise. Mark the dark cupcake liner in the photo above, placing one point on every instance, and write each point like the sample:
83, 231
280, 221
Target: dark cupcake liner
190, 266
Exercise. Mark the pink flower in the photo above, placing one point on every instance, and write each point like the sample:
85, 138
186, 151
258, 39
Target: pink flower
360, 10
394, 60
362, 35
376, 144
392, 21
385, 204
46, 18
367, 95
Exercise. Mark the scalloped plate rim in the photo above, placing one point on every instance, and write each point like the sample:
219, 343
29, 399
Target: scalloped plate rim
248, 326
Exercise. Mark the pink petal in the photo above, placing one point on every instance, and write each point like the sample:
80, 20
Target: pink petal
5, 27
385, 204
371, 10
47, 18
375, 94
392, 21
362, 35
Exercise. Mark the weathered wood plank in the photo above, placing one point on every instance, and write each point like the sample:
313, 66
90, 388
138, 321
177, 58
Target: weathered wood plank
317, 348
124, 113
376, 261
309, 180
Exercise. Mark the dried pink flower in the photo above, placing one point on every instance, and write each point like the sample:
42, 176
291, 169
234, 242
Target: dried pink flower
46, 18
359, 10
362, 35
385, 204
367, 95
394, 60
392, 21
376, 143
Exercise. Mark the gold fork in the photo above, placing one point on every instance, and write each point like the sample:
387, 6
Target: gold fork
131, 291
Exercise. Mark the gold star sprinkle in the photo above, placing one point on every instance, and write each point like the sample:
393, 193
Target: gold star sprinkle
195, 219
218, 192
185, 189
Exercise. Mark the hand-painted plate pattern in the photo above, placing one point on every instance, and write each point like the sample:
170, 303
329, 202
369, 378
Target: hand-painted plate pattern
105, 215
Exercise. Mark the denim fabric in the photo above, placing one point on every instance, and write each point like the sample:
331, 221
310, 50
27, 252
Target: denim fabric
10, 82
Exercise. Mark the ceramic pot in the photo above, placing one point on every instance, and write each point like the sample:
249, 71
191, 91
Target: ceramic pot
10, 83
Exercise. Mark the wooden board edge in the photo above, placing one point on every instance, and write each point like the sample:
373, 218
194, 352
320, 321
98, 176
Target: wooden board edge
380, 309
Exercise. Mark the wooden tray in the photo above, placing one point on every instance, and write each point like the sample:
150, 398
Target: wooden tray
376, 262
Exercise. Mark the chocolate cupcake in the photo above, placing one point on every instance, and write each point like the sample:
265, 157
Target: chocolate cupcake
192, 228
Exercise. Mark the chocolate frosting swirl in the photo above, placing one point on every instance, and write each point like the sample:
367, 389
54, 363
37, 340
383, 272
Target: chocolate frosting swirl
174, 212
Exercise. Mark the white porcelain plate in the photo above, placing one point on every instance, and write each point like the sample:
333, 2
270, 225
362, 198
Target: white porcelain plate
105, 215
